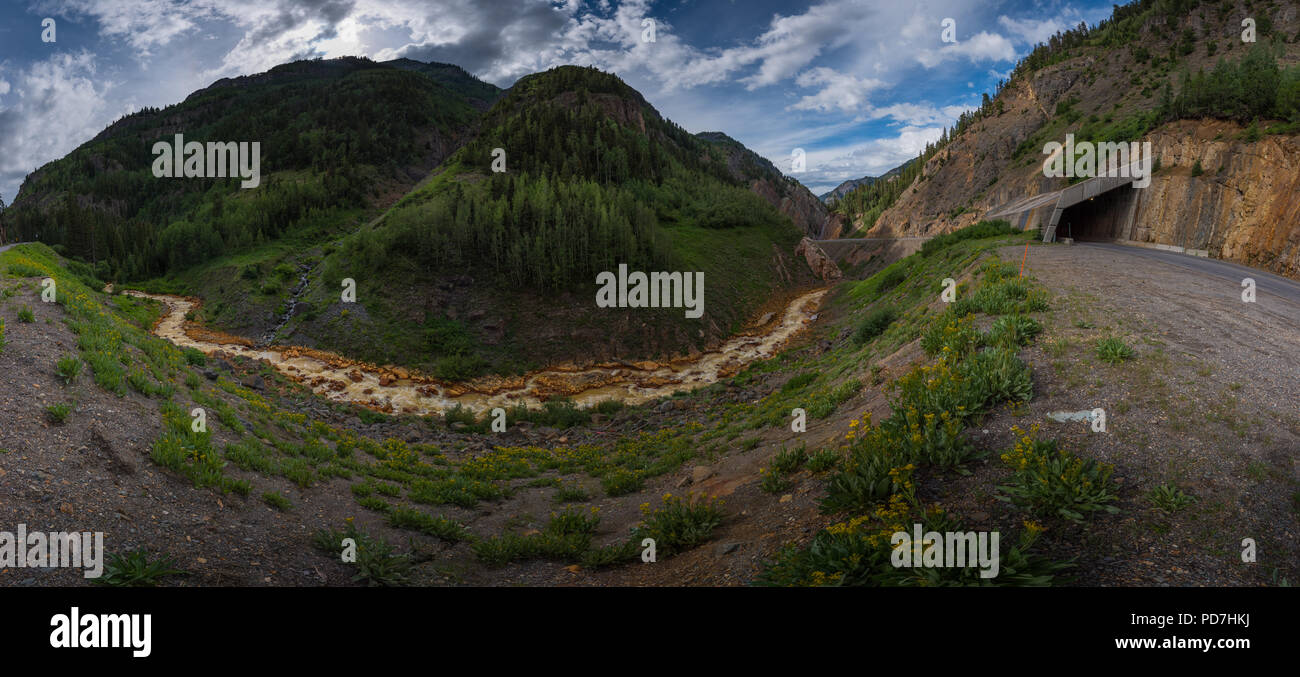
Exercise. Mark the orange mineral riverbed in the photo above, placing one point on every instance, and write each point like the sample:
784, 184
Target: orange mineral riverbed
397, 390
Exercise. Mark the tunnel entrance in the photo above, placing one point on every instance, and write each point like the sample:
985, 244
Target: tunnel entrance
1100, 218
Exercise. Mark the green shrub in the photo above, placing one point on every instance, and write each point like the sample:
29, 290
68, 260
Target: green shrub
25, 314
787, 461
976, 231
621, 482
1013, 331
1170, 498
277, 501
377, 562
571, 494
68, 367
137, 569
798, 381
955, 334
439, 527
58, 413
874, 325
772, 481
823, 460
683, 522
996, 375
194, 356
1052, 482
1113, 350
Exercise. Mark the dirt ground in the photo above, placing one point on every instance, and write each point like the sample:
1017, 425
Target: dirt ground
1207, 404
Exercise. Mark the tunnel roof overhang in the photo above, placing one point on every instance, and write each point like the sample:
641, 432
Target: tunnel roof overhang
1066, 197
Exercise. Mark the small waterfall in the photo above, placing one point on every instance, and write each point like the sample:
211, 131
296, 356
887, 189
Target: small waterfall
304, 274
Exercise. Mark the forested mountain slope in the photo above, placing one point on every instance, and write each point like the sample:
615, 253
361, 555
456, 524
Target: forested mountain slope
487, 271
336, 137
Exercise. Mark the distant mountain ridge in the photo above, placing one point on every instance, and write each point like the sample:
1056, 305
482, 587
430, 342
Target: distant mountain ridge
845, 188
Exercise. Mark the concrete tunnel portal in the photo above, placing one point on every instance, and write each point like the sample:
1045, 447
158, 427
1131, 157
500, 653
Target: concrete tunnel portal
1100, 209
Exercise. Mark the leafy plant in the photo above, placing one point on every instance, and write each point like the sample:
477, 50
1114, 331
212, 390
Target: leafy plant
683, 522
276, 500
1170, 498
772, 481
1052, 482
377, 562
874, 325
68, 367
58, 413
1113, 350
137, 569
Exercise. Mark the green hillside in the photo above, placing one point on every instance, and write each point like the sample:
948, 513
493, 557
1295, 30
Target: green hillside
594, 177
335, 137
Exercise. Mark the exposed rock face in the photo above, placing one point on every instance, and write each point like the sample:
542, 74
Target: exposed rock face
790, 197
808, 213
1242, 207
821, 264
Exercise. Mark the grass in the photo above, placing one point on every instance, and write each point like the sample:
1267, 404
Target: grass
58, 413
276, 500
68, 367
773, 482
1170, 498
377, 562
571, 494
874, 325
137, 569
25, 315
1113, 350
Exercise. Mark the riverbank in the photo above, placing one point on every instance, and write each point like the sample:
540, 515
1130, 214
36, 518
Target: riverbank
400, 391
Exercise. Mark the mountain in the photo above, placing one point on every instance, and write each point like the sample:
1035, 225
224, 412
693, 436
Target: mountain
785, 193
848, 186
479, 94
336, 137
482, 271
383, 174
844, 188
1221, 115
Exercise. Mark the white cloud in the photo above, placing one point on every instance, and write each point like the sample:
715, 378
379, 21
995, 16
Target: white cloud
917, 114
982, 46
829, 167
838, 90
1030, 30
60, 104
143, 24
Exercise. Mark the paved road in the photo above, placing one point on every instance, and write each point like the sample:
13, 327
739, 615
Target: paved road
1265, 282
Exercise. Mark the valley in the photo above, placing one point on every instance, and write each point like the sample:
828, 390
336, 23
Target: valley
443, 333
395, 390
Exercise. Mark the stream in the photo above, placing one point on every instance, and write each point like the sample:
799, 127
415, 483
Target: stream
396, 390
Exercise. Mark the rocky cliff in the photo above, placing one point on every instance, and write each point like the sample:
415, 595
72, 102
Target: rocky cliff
1242, 206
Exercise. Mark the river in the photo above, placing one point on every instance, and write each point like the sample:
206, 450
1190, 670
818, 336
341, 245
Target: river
395, 390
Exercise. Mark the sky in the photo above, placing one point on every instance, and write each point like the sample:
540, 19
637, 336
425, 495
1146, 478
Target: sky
860, 86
